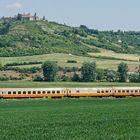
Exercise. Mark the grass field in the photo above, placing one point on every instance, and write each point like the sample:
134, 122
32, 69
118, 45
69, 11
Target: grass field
70, 119
107, 53
29, 84
62, 60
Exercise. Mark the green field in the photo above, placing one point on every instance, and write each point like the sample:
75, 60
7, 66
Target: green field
70, 119
29, 84
62, 59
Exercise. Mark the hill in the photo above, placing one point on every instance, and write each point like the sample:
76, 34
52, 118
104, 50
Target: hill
19, 38
22, 38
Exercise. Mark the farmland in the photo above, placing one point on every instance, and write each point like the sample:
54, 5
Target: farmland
73, 119
29, 84
62, 59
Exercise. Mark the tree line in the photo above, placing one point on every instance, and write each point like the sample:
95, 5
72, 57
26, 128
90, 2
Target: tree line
90, 73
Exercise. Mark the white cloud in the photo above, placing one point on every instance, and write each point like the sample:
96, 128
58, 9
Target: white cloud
16, 5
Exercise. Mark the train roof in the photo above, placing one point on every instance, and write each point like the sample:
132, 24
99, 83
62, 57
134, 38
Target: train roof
62, 88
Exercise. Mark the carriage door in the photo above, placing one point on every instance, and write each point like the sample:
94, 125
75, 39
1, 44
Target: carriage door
68, 92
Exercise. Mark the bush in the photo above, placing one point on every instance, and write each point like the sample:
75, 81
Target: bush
31, 70
4, 78
37, 78
134, 78
23, 63
66, 78
76, 78
71, 61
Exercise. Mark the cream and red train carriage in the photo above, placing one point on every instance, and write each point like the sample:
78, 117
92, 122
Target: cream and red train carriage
69, 92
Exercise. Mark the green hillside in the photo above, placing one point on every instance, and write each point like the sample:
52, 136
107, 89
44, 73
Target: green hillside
39, 37
22, 38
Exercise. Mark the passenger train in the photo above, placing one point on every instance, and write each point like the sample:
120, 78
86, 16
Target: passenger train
9, 93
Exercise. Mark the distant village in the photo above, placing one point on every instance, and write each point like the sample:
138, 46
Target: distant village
22, 17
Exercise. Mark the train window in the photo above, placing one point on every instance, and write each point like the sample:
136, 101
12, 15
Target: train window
106, 91
48, 92
14, 92
24, 92
119, 90
63, 91
136, 90
127, 90
98, 91
123, 91
69, 91
29, 92
78, 91
44, 92
19, 92
39, 92
132, 91
115, 91
58, 91
102, 91
34, 92
53, 92
9, 92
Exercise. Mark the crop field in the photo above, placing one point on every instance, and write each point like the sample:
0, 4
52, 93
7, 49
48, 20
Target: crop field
131, 57
70, 119
29, 84
63, 58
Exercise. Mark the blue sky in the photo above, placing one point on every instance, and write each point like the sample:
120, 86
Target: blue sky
97, 14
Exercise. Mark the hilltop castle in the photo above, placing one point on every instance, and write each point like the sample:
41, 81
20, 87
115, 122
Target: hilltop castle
22, 17
28, 17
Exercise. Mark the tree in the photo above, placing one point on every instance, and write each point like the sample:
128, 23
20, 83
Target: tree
122, 70
0, 66
19, 17
111, 76
100, 75
134, 78
35, 16
76, 78
88, 72
44, 18
49, 70
124, 45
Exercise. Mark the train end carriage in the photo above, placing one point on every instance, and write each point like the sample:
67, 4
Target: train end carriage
126, 91
32, 92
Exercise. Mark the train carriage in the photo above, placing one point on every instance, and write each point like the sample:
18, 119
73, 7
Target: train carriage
126, 91
32, 92
90, 92
69, 92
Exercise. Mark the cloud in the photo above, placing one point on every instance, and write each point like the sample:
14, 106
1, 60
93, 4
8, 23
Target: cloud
16, 5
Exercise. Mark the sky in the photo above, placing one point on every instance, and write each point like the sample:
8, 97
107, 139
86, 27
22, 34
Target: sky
95, 14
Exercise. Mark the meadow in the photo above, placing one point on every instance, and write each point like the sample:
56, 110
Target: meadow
62, 59
70, 119
106, 53
29, 84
